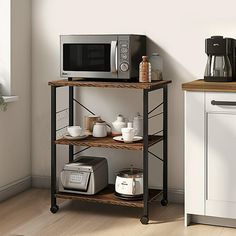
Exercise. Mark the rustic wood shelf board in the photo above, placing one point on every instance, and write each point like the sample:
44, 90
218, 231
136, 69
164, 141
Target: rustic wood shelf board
201, 85
108, 142
101, 84
107, 196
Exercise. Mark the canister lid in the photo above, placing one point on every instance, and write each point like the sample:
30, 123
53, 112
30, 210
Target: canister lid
131, 173
138, 116
155, 54
145, 58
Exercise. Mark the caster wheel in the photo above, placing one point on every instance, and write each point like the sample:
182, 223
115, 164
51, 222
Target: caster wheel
54, 209
144, 220
164, 202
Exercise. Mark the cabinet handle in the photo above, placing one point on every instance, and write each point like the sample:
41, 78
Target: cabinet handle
223, 103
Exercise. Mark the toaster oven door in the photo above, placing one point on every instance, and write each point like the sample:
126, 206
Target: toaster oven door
76, 180
89, 56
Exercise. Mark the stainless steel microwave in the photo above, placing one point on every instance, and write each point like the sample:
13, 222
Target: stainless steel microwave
101, 56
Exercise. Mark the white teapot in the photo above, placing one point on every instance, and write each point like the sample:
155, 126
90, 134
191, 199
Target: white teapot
118, 124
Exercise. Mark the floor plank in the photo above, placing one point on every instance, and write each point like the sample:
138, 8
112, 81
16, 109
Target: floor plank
28, 214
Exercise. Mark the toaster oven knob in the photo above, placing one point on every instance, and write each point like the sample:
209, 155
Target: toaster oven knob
124, 67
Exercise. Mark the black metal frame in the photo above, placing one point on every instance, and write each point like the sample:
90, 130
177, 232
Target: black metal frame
144, 219
54, 207
71, 119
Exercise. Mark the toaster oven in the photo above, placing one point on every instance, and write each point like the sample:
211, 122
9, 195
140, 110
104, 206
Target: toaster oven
87, 175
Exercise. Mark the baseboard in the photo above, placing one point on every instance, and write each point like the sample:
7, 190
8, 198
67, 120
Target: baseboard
14, 188
175, 195
210, 220
41, 181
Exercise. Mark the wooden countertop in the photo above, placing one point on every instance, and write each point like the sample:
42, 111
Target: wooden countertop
201, 85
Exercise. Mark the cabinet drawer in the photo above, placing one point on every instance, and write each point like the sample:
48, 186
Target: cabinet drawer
221, 102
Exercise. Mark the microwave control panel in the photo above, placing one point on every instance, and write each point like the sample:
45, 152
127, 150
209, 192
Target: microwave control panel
124, 55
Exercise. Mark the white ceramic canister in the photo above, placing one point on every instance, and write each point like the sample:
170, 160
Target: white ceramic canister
100, 129
138, 124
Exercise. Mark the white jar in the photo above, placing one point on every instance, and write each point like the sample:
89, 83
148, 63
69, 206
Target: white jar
138, 124
100, 130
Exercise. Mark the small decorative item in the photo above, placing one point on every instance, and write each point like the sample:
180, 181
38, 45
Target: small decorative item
3, 104
144, 70
89, 122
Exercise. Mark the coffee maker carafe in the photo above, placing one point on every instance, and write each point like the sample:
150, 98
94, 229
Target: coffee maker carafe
221, 63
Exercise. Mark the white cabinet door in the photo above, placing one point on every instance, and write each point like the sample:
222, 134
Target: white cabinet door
194, 153
221, 165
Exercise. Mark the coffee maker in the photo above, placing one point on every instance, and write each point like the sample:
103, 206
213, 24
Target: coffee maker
221, 62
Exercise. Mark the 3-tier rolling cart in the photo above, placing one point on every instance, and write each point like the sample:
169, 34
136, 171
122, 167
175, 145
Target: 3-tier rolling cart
107, 195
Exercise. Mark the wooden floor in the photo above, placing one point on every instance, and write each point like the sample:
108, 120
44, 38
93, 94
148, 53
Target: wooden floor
28, 214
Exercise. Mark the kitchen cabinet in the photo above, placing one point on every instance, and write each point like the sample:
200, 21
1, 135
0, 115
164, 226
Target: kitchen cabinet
221, 165
210, 152
107, 195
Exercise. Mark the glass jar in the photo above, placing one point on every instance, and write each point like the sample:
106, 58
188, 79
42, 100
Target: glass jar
157, 66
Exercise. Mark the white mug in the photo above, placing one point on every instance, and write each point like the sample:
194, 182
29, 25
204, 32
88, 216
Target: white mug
128, 134
74, 131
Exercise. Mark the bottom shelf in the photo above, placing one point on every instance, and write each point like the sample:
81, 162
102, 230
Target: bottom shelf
107, 196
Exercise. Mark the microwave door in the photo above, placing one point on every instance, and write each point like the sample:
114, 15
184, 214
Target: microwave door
89, 56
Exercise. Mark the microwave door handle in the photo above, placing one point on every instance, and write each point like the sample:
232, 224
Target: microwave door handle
113, 56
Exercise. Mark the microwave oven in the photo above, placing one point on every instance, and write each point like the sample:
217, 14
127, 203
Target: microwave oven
101, 56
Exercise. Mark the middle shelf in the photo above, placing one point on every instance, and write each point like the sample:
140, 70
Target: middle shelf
108, 142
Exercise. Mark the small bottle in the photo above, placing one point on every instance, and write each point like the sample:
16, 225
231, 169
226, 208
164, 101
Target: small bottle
130, 125
157, 66
145, 70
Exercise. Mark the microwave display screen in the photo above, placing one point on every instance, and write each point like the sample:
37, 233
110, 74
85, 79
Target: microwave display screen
86, 57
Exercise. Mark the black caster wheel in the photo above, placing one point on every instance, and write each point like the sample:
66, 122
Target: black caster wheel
144, 220
164, 202
54, 209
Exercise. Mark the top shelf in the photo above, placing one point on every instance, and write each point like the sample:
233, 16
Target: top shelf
102, 84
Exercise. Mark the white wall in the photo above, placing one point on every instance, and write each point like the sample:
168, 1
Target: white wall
5, 46
176, 29
15, 123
